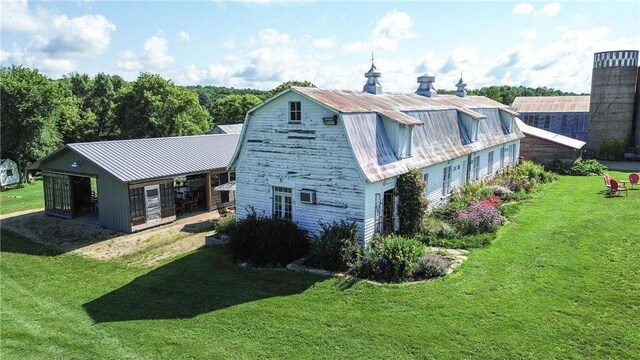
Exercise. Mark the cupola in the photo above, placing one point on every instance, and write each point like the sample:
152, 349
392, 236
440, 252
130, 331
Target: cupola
373, 85
426, 86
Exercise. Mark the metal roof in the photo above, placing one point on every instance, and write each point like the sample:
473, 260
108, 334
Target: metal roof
396, 105
551, 104
550, 136
142, 159
229, 129
439, 139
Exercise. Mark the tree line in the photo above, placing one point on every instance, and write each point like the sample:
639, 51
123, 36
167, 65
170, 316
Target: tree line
506, 94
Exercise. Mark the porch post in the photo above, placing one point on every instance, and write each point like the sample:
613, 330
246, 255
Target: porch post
207, 190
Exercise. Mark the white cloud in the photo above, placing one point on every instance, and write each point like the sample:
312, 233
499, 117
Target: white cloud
356, 46
271, 37
183, 36
83, 36
324, 43
522, 9
551, 9
529, 33
391, 29
156, 52
154, 56
15, 17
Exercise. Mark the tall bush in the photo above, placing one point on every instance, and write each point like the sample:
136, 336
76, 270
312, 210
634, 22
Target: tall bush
266, 241
412, 204
336, 248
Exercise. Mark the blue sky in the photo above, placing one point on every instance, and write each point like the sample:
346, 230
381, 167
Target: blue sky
262, 43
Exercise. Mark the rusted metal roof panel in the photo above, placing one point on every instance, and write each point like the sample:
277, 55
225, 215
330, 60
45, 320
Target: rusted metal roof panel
547, 104
439, 139
550, 136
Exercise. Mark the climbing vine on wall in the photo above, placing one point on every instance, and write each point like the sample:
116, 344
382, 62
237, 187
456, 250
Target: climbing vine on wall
412, 205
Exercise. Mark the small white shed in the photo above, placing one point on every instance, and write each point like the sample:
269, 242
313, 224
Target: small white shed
9, 173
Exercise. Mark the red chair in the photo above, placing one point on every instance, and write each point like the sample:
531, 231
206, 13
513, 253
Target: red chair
607, 183
617, 188
634, 179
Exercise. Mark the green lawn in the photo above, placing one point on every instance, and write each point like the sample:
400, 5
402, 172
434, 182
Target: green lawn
19, 199
561, 281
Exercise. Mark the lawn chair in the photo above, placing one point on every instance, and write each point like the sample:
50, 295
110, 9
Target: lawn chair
617, 188
607, 183
634, 179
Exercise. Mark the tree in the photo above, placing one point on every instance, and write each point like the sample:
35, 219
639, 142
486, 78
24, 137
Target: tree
288, 84
155, 107
29, 104
231, 109
411, 202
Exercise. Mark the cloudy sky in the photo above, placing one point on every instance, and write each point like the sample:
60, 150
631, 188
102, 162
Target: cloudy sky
262, 43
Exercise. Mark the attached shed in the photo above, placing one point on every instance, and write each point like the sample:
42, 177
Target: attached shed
9, 173
543, 146
135, 180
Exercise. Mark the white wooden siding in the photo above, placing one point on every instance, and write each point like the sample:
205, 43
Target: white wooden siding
308, 155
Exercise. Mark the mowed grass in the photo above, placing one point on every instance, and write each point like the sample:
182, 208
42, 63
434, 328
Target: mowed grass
31, 196
561, 281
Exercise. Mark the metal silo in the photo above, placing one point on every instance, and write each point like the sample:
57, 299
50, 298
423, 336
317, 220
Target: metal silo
613, 93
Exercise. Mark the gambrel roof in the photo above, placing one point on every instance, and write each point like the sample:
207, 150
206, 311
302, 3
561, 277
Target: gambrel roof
436, 122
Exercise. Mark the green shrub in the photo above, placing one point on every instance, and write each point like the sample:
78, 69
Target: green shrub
224, 225
336, 248
470, 192
266, 241
531, 171
587, 167
509, 209
430, 266
613, 149
392, 260
411, 202
434, 227
448, 210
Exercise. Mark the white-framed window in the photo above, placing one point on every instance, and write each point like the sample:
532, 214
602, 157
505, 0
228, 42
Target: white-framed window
295, 111
490, 164
501, 157
426, 185
475, 168
446, 181
282, 203
513, 154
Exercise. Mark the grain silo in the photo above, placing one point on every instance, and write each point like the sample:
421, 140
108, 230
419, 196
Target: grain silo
613, 96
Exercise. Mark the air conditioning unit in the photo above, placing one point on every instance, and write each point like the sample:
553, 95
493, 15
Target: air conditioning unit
307, 196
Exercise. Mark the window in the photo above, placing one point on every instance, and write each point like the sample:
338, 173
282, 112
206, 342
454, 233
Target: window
57, 193
446, 181
513, 153
136, 203
501, 158
282, 203
475, 166
9, 172
490, 164
167, 201
295, 111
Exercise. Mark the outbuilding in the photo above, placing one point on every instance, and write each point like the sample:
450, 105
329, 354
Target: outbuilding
9, 173
544, 147
130, 185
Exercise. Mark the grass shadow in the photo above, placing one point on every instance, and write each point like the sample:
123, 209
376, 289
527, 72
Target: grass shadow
11, 242
198, 283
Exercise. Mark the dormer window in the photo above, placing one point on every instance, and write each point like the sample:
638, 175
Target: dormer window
506, 120
295, 111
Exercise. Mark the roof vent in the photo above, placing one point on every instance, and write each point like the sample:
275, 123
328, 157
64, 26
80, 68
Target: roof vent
372, 86
461, 92
426, 86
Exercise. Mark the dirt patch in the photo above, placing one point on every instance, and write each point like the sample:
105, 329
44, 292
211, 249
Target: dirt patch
87, 239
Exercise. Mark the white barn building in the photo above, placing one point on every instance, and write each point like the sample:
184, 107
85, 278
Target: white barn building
313, 155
